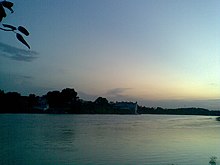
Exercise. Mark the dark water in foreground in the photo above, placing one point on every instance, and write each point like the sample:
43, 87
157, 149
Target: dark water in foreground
108, 139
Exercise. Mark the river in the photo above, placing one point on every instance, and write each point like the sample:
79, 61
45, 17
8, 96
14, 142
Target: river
40, 139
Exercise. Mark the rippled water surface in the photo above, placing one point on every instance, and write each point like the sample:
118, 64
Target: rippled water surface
108, 139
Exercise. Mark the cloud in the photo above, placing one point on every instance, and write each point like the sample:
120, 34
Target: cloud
118, 94
17, 54
116, 91
15, 79
115, 94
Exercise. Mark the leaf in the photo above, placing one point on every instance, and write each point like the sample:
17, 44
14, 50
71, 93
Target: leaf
2, 12
8, 5
23, 30
9, 26
21, 39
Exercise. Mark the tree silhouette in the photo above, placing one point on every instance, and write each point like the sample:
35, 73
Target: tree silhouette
101, 101
68, 95
10, 28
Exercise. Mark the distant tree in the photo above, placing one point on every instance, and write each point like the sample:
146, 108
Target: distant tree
65, 97
70, 101
12, 102
101, 101
10, 28
102, 106
54, 98
32, 100
69, 95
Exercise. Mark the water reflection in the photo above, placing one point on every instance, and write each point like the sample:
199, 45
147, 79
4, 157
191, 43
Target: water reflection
108, 139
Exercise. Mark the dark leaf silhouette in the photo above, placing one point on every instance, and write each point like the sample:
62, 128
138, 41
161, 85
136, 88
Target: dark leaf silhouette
21, 39
2, 12
23, 30
8, 5
9, 26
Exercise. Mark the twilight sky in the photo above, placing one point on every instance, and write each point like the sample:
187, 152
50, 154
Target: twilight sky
157, 52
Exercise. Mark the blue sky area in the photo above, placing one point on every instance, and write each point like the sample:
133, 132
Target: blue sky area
157, 52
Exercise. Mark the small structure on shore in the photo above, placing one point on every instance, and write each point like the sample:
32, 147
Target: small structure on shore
126, 107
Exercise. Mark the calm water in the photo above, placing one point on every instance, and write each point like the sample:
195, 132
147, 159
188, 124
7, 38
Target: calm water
108, 139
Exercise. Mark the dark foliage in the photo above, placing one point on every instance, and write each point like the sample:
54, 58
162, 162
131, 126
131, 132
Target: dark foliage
8, 5
10, 27
2, 12
65, 101
21, 39
101, 101
6, 27
54, 99
23, 30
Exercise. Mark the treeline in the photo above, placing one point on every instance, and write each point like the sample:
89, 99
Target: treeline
178, 111
55, 102
68, 102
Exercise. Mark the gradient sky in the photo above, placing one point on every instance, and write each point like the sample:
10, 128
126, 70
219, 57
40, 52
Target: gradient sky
157, 52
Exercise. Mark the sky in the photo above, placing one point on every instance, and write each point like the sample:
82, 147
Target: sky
156, 52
